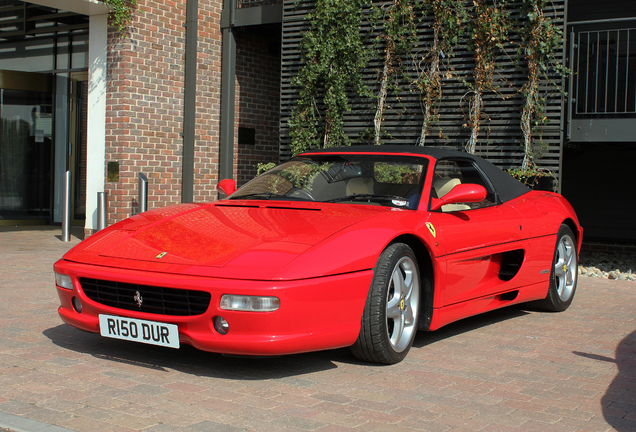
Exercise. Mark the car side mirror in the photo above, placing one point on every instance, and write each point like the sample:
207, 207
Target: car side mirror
462, 193
226, 186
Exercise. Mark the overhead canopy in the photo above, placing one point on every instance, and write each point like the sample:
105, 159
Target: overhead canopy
84, 7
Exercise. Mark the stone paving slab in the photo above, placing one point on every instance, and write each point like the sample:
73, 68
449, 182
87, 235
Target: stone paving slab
510, 370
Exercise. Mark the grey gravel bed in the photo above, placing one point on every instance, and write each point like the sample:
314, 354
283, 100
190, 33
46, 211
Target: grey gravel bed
608, 265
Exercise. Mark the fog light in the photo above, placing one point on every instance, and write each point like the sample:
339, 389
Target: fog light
249, 303
77, 305
63, 281
221, 325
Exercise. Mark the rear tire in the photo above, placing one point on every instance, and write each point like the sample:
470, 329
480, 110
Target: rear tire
389, 320
564, 274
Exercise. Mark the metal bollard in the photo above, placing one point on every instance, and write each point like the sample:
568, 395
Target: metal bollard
143, 193
66, 208
101, 210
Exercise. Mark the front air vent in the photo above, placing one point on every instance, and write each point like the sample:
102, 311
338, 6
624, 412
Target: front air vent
144, 298
220, 204
293, 208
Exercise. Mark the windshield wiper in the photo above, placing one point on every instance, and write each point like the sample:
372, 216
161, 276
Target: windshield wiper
260, 195
369, 197
269, 196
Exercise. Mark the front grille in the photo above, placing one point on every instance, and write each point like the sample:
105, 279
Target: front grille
155, 300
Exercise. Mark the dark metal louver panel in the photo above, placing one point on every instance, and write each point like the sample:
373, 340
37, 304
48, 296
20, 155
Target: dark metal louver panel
500, 138
252, 3
155, 300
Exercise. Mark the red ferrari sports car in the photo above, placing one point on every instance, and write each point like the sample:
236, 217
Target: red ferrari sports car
347, 247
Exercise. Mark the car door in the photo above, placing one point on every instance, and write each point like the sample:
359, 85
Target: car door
476, 238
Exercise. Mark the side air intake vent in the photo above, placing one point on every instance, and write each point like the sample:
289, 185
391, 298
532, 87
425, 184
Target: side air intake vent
510, 264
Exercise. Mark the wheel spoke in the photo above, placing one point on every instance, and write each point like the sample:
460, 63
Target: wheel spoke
408, 285
395, 295
393, 307
398, 283
570, 259
398, 330
559, 266
409, 318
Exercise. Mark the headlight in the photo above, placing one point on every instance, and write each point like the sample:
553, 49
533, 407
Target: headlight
63, 281
249, 303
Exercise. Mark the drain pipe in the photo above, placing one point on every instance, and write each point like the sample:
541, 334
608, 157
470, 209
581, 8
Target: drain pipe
189, 100
228, 75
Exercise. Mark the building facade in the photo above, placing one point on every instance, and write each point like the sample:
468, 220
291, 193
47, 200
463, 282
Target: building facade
145, 108
599, 144
79, 96
199, 90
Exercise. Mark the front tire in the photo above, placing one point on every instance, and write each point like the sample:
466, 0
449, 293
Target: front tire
389, 320
564, 274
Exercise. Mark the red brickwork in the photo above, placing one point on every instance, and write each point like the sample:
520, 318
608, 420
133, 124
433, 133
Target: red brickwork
145, 105
257, 101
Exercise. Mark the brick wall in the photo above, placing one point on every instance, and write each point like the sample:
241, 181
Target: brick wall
145, 105
257, 99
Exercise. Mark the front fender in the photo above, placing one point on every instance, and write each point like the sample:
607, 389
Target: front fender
355, 248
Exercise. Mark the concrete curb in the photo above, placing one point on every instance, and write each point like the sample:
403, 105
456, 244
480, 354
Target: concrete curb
22, 424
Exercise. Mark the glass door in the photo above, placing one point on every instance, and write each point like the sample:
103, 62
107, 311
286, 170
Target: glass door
26, 147
78, 121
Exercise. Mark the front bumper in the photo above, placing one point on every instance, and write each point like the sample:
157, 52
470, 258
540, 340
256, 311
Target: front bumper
314, 314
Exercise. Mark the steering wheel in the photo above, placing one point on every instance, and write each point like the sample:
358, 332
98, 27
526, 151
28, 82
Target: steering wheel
300, 193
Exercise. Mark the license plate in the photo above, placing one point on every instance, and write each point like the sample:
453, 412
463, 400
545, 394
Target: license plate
137, 330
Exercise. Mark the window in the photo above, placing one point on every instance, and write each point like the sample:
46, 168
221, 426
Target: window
373, 179
451, 172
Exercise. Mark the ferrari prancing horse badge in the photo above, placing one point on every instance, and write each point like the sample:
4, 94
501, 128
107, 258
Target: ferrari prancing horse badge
431, 228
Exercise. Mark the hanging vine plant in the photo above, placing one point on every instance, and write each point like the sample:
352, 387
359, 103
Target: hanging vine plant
447, 17
122, 13
334, 55
488, 27
540, 42
399, 37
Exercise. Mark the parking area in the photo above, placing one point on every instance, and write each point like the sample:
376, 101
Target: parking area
510, 370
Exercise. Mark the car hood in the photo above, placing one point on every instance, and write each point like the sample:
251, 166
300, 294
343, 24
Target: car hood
247, 240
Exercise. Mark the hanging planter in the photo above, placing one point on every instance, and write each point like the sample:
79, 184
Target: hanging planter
536, 179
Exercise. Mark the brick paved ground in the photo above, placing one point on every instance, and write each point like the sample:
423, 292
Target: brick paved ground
511, 370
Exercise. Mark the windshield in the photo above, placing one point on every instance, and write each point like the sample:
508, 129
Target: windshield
375, 179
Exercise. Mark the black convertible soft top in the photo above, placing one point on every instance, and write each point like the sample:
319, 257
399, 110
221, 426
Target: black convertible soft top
506, 186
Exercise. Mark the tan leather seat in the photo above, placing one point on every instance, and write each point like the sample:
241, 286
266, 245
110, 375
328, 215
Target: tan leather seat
360, 186
443, 186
